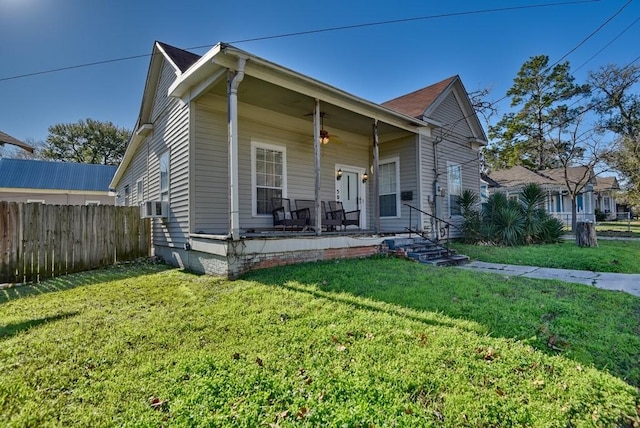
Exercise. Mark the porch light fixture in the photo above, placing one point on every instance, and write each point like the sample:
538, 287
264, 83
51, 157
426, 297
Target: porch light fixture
324, 135
339, 175
365, 177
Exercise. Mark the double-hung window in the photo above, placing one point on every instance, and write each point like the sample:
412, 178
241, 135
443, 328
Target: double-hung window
164, 176
454, 183
140, 191
389, 182
269, 176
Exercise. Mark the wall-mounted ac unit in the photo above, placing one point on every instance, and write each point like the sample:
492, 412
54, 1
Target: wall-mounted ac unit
154, 209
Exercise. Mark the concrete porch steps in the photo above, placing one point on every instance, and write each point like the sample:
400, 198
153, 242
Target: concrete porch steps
425, 251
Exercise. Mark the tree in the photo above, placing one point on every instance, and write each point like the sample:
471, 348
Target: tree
86, 141
619, 111
540, 92
576, 146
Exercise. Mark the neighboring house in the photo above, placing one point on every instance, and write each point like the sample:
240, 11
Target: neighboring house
8, 139
558, 201
218, 136
56, 183
605, 194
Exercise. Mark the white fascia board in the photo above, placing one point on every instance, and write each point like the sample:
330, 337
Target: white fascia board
282, 76
126, 159
200, 70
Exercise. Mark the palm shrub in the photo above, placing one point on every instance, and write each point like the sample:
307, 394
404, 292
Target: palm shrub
504, 221
469, 202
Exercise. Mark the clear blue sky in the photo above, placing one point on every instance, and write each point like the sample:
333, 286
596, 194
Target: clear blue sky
376, 62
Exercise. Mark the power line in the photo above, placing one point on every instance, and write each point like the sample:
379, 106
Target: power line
608, 44
492, 104
592, 34
301, 33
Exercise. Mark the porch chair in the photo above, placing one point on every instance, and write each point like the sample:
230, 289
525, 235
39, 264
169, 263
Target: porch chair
346, 218
327, 221
285, 217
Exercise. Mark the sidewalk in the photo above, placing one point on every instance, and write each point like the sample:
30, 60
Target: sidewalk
626, 282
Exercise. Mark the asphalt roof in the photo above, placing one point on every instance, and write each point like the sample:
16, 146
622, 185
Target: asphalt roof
415, 103
8, 139
37, 174
181, 58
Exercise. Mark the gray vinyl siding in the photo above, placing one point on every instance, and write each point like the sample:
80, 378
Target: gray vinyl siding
211, 171
137, 169
405, 149
170, 119
452, 117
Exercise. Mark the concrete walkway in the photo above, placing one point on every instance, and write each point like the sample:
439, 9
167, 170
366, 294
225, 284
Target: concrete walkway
626, 282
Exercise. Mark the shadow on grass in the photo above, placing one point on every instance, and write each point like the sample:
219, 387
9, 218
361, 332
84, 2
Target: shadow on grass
74, 280
13, 329
588, 325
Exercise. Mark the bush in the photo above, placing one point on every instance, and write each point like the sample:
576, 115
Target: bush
505, 221
600, 216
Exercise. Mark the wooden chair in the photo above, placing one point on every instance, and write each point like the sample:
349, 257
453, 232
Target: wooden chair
327, 221
346, 218
284, 216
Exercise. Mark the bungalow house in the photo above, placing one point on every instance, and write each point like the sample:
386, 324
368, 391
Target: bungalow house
221, 137
55, 183
605, 195
558, 201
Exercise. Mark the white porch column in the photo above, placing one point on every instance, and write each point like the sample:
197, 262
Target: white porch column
376, 189
316, 169
234, 198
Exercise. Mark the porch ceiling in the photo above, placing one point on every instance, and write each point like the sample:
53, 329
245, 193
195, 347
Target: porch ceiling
300, 106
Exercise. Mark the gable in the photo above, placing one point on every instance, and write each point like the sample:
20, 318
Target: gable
450, 115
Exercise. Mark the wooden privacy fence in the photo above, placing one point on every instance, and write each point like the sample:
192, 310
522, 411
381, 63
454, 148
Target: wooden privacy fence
39, 241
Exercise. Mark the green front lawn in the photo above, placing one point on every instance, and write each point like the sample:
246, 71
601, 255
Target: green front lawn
609, 256
377, 342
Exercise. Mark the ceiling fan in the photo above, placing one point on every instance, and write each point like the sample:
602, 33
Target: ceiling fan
325, 137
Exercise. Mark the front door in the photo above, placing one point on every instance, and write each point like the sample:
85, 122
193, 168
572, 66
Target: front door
351, 191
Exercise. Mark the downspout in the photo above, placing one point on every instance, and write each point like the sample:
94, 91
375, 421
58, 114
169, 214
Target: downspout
234, 200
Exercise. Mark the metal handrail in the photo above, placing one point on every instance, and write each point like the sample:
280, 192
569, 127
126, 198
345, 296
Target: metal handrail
447, 227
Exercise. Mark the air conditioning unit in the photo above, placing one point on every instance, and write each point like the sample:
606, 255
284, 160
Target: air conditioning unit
154, 209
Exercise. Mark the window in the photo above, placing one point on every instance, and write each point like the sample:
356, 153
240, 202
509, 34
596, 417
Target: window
127, 194
92, 203
268, 175
140, 191
389, 183
164, 176
35, 201
454, 183
484, 193
606, 201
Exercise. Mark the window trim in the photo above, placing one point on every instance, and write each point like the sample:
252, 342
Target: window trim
92, 202
396, 160
459, 166
139, 185
254, 194
168, 189
35, 201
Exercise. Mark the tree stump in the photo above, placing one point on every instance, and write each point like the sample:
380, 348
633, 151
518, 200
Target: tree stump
586, 235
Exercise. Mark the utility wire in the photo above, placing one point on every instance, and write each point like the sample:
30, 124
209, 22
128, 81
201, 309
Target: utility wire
608, 44
492, 104
301, 33
592, 34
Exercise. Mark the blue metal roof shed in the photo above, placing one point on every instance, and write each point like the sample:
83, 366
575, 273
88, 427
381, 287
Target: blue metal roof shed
37, 174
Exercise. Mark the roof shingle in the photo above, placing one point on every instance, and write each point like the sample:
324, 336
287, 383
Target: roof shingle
415, 103
181, 58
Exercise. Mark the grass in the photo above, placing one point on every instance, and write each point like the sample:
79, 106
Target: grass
377, 342
621, 228
609, 256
